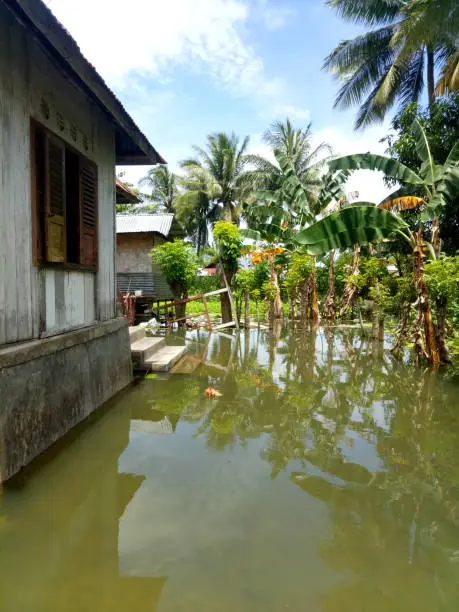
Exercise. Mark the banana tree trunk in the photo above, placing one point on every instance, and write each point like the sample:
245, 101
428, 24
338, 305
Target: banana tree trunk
247, 310
314, 315
292, 304
441, 305
400, 334
329, 310
305, 300
350, 289
276, 311
424, 312
435, 240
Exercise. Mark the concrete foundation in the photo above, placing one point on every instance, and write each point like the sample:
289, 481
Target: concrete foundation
49, 386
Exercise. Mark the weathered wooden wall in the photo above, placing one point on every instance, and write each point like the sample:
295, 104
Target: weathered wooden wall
32, 86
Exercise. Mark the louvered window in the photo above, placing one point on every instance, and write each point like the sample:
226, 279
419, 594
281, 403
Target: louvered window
65, 201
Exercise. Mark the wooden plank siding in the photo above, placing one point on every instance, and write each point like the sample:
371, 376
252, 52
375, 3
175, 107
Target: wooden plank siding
70, 300
37, 89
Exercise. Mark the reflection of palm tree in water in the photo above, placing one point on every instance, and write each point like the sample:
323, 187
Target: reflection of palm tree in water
399, 526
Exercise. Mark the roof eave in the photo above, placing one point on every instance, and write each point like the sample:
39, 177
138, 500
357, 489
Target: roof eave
132, 146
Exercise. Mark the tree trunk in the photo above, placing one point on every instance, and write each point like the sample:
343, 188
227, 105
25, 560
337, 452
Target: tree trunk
227, 314
441, 305
293, 298
430, 349
430, 76
350, 289
314, 315
305, 300
375, 322
400, 334
381, 329
329, 310
275, 312
436, 241
247, 310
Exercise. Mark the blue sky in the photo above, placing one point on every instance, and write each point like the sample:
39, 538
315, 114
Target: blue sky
186, 68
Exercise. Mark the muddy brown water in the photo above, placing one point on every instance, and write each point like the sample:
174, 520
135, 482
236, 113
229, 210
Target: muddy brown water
326, 478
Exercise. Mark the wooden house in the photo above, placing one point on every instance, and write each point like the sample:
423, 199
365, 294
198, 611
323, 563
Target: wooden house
136, 235
63, 349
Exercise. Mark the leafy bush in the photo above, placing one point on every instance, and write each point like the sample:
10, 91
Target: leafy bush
177, 261
229, 242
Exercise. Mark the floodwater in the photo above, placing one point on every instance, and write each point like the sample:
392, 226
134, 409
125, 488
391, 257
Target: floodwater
326, 478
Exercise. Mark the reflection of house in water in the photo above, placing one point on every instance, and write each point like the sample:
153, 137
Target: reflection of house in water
60, 543
157, 423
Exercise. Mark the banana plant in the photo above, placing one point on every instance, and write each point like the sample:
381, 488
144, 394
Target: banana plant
281, 212
365, 223
436, 183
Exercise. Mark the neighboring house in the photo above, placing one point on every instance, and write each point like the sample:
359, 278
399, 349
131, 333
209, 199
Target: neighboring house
136, 235
63, 349
124, 195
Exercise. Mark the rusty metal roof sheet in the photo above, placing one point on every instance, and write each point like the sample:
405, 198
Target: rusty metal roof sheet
132, 224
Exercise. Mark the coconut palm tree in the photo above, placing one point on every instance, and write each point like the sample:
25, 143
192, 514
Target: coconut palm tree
290, 193
224, 159
163, 185
294, 145
406, 43
197, 205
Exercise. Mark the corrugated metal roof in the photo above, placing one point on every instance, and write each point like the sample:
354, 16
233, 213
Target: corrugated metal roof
132, 224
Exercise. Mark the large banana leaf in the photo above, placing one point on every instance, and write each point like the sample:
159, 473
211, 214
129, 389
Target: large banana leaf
371, 161
360, 224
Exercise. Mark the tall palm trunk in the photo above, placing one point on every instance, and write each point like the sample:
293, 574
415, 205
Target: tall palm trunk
430, 76
329, 310
430, 349
350, 288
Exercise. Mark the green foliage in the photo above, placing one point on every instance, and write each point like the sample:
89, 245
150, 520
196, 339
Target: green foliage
229, 242
163, 187
269, 290
300, 267
204, 284
385, 65
136, 209
244, 281
441, 125
261, 274
178, 263
442, 277
222, 162
360, 224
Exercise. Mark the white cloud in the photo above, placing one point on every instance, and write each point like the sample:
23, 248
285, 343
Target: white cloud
149, 38
277, 17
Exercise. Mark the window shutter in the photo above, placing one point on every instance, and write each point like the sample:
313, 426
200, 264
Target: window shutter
55, 231
88, 213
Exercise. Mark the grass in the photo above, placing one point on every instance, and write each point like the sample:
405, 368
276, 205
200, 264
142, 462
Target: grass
214, 307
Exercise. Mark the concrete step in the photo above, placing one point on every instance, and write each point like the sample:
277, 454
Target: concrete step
164, 359
145, 348
187, 365
136, 332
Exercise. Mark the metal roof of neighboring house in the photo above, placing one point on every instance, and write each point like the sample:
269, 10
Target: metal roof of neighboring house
131, 145
124, 195
132, 224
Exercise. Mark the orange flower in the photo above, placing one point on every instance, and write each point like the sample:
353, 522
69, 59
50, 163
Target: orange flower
211, 392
